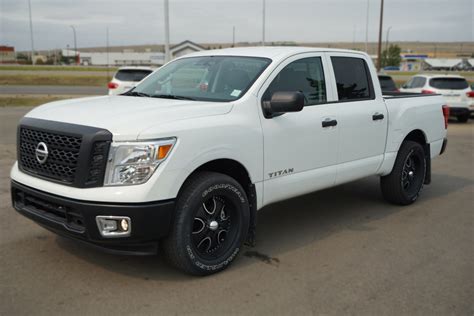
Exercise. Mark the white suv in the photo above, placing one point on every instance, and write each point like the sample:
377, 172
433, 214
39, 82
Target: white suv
127, 78
455, 90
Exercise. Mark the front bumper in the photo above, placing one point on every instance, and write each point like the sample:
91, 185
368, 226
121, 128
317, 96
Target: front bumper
77, 219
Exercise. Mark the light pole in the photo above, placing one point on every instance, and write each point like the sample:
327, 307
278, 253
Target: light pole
107, 50
167, 31
386, 40
75, 44
31, 35
263, 24
379, 50
233, 36
367, 28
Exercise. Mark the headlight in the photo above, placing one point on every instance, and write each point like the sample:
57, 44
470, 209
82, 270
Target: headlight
134, 162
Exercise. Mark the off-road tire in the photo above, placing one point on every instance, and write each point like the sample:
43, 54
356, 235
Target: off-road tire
180, 247
393, 186
463, 118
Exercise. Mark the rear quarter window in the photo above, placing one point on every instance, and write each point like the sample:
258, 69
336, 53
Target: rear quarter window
132, 74
449, 83
387, 83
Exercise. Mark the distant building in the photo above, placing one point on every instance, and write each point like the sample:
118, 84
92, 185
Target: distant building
40, 59
7, 54
443, 64
184, 48
125, 58
130, 57
412, 62
471, 63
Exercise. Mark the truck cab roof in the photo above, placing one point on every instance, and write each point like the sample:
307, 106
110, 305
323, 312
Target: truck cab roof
273, 52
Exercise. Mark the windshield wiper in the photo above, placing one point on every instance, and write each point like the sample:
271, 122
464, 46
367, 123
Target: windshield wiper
172, 96
136, 94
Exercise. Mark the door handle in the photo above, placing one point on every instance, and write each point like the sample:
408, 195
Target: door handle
377, 116
329, 123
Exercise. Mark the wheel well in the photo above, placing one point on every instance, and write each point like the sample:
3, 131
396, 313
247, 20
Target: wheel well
419, 137
236, 170
416, 136
229, 167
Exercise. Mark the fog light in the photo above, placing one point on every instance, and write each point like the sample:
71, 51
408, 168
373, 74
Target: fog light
114, 226
124, 224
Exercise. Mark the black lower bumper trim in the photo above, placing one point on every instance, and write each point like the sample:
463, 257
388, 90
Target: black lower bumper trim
443, 147
77, 219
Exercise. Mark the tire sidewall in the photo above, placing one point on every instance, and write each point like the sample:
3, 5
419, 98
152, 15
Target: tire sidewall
414, 149
230, 190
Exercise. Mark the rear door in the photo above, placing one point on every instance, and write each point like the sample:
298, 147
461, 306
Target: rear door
362, 117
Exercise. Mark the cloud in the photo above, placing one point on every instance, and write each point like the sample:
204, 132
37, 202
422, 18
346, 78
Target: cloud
141, 21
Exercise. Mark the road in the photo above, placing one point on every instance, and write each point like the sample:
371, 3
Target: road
335, 252
53, 90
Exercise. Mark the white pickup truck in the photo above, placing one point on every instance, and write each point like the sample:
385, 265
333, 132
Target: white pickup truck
187, 157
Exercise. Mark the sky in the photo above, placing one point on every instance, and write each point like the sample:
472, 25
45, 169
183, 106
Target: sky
136, 22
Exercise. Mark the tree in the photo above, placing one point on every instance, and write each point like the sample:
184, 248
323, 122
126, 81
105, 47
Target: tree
391, 57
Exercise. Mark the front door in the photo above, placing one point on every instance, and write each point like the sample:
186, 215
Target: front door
299, 153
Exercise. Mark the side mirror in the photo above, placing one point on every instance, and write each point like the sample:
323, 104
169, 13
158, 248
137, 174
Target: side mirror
283, 102
405, 86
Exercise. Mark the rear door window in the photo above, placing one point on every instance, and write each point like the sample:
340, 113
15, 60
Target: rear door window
449, 83
353, 79
134, 75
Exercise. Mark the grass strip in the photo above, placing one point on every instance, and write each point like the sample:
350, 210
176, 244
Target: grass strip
55, 68
29, 100
52, 80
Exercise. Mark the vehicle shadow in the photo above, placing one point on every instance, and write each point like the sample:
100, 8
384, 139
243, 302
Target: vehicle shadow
286, 226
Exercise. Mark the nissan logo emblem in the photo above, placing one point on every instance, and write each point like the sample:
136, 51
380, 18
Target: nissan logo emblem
41, 152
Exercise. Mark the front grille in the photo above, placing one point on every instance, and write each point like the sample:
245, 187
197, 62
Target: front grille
77, 154
63, 156
53, 211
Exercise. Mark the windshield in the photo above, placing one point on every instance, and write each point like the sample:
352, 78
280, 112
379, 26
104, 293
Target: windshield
134, 75
449, 83
208, 78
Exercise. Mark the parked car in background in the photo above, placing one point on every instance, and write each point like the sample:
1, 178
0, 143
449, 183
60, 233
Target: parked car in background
387, 84
127, 78
455, 90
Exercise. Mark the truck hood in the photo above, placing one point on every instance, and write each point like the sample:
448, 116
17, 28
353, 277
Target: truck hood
125, 116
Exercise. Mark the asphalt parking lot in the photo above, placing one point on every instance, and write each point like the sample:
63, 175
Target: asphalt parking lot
338, 251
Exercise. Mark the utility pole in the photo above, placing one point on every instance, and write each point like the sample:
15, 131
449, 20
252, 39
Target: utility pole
379, 50
76, 57
107, 50
233, 36
167, 32
31, 35
367, 29
354, 37
263, 24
